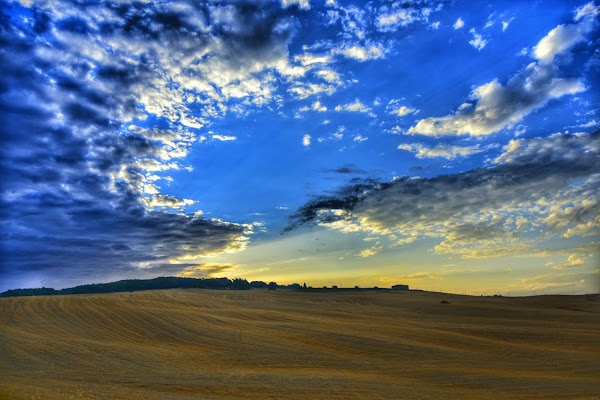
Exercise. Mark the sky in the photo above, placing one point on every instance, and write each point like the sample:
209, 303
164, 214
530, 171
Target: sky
449, 145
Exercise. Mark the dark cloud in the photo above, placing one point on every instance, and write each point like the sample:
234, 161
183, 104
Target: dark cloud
72, 76
347, 169
533, 179
346, 198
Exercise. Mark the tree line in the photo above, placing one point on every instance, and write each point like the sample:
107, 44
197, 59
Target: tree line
132, 285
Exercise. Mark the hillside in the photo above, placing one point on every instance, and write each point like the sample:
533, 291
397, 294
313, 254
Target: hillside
189, 344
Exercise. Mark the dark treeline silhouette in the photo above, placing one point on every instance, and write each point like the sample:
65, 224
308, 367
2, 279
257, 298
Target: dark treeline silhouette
172, 282
132, 285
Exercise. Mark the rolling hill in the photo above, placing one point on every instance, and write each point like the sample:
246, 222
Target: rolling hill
260, 344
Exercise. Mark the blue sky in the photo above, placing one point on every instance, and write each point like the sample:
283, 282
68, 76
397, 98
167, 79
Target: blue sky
440, 144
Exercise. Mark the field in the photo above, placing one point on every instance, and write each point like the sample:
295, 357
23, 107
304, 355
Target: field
259, 344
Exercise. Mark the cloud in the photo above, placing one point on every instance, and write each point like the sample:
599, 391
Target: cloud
402, 17
329, 75
505, 24
403, 110
304, 4
357, 106
306, 140
574, 261
89, 166
494, 106
420, 276
478, 41
205, 270
587, 11
369, 252
557, 41
304, 90
310, 59
441, 150
359, 138
458, 24
224, 138
563, 37
536, 185
361, 53
395, 108
166, 201
589, 124
347, 169
553, 280
317, 106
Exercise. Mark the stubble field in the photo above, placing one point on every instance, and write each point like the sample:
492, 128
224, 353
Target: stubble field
259, 344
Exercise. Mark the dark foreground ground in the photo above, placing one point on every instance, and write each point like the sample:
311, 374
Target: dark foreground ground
258, 344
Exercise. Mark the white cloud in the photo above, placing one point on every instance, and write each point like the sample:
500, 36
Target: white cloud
458, 24
306, 140
589, 124
494, 106
395, 108
574, 260
224, 138
361, 53
317, 106
359, 138
441, 150
587, 11
478, 41
328, 75
340, 133
557, 41
310, 59
304, 90
505, 24
357, 106
563, 37
398, 15
304, 4
166, 201
435, 25
401, 17
369, 252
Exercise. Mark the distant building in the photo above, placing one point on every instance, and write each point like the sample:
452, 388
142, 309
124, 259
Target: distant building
400, 287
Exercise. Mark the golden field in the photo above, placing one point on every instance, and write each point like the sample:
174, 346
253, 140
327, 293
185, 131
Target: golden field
259, 344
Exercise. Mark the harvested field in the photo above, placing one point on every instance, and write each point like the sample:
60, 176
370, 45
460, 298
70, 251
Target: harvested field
259, 344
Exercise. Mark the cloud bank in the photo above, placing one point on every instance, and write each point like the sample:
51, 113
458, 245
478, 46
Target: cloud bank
535, 185
80, 84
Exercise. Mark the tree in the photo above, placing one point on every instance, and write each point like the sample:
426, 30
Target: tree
258, 285
240, 284
272, 286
